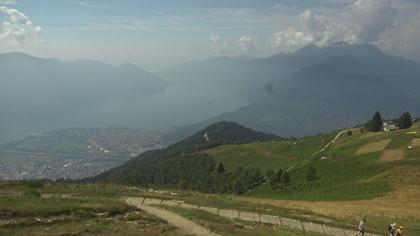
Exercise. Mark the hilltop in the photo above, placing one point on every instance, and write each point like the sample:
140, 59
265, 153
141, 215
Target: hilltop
183, 164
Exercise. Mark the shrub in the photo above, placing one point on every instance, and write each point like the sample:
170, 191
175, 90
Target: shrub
311, 174
33, 193
36, 183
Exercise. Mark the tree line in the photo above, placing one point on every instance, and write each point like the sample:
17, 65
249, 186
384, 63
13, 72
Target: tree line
405, 121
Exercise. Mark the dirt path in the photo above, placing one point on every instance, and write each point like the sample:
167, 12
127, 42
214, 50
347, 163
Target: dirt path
186, 226
324, 148
148, 204
335, 139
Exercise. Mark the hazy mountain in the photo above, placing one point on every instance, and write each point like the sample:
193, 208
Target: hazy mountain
325, 89
239, 76
38, 94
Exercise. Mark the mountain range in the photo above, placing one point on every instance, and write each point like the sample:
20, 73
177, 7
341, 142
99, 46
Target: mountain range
312, 91
37, 94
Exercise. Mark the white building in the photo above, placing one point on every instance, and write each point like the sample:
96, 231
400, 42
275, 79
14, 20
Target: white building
389, 126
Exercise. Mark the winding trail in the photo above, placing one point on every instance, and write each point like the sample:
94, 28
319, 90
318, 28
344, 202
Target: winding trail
191, 228
187, 227
324, 148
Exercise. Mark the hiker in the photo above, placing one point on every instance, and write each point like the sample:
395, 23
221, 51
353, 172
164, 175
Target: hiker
362, 226
399, 231
391, 229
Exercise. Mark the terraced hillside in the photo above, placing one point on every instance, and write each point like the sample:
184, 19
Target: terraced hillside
358, 165
361, 174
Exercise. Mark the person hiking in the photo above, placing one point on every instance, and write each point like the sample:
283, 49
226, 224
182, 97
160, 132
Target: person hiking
399, 231
391, 229
362, 226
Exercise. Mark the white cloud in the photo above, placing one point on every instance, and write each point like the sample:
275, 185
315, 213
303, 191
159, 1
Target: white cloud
219, 46
246, 43
372, 16
243, 45
18, 29
290, 40
403, 38
361, 21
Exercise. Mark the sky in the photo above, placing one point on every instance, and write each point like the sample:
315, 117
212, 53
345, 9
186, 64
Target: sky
162, 33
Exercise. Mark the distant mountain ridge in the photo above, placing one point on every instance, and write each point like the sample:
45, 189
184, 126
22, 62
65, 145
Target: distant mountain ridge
315, 89
38, 94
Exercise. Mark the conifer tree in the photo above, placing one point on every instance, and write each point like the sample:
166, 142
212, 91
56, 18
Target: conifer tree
375, 124
221, 168
285, 178
311, 174
405, 121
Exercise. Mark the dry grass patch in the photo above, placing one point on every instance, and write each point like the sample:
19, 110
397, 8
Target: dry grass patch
405, 175
373, 147
394, 204
415, 142
403, 202
392, 155
371, 134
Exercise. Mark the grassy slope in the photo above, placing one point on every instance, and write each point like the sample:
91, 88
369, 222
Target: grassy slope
68, 209
341, 177
267, 155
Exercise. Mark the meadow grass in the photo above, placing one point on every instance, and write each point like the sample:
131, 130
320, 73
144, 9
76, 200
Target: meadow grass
40, 207
267, 155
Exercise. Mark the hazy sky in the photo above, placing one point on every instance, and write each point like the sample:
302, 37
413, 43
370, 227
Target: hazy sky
158, 33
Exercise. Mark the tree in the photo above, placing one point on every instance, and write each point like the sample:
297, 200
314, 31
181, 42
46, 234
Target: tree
273, 181
349, 133
311, 174
269, 173
238, 187
275, 178
221, 168
285, 178
405, 121
375, 124
279, 173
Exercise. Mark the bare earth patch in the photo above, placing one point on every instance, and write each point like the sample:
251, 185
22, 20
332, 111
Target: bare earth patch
415, 142
188, 227
373, 147
392, 155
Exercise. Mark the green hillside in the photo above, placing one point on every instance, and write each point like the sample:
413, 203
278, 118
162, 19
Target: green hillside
183, 165
268, 155
228, 158
358, 166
